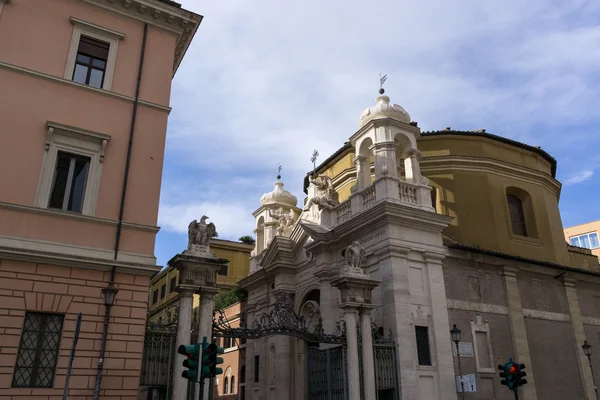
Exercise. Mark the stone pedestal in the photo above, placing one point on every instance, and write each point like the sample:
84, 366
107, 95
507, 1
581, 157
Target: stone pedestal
197, 273
356, 291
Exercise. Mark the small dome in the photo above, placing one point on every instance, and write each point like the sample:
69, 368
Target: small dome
383, 109
279, 196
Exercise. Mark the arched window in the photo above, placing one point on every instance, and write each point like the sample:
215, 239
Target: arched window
226, 385
232, 390
517, 215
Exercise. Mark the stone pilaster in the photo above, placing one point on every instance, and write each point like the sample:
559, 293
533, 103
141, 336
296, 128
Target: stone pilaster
440, 324
184, 328
385, 159
578, 337
517, 328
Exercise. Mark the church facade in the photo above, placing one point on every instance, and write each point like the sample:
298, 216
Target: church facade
451, 228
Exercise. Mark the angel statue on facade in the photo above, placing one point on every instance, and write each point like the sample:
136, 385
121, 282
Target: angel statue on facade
199, 235
355, 257
285, 219
325, 195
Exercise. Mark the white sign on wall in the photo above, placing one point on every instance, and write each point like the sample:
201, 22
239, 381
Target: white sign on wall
469, 383
466, 349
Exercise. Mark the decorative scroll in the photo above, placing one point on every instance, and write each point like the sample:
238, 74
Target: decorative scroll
281, 320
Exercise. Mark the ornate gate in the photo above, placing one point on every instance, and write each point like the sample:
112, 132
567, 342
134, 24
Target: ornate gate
158, 359
327, 375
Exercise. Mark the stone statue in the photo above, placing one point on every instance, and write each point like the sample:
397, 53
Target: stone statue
355, 257
325, 195
285, 219
199, 235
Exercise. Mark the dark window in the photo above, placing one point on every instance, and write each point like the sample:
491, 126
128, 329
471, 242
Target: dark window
517, 216
173, 284
224, 269
256, 368
232, 390
68, 185
38, 352
163, 291
226, 386
155, 296
243, 374
433, 198
423, 350
227, 342
90, 64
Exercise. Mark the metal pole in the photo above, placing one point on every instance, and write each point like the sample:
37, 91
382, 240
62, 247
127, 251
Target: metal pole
72, 356
102, 353
201, 395
593, 377
462, 384
516, 391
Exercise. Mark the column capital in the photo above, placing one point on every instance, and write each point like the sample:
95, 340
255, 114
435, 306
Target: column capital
410, 153
510, 271
208, 291
359, 159
568, 281
185, 290
380, 146
366, 309
433, 257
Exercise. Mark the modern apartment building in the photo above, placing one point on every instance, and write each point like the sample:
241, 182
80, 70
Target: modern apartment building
585, 235
85, 88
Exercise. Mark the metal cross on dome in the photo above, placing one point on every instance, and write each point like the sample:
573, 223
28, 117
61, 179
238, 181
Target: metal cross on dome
315, 154
382, 80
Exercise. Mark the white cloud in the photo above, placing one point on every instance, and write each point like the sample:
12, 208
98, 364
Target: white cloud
268, 81
581, 177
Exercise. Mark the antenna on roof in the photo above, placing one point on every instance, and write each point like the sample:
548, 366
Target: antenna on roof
382, 80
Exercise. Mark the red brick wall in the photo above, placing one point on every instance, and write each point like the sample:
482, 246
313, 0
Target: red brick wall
44, 288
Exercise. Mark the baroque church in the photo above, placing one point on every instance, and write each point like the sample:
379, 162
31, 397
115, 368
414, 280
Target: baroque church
403, 236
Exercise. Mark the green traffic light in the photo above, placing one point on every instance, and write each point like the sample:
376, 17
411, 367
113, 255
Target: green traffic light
192, 352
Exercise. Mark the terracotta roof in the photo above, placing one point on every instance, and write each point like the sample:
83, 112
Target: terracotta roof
501, 139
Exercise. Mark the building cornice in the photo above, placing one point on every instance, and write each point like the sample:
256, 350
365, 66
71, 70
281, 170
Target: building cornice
74, 256
490, 166
79, 217
64, 81
182, 22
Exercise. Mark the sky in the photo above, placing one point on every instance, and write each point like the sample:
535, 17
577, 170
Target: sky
265, 82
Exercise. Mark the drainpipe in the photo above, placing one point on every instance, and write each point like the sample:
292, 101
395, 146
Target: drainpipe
121, 210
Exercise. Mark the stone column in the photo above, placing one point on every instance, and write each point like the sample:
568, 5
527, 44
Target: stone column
578, 338
356, 292
385, 159
207, 295
249, 354
184, 329
363, 172
411, 166
517, 328
369, 386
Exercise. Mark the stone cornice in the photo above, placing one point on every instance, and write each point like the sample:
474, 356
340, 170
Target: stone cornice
375, 123
79, 217
68, 255
57, 79
490, 166
182, 22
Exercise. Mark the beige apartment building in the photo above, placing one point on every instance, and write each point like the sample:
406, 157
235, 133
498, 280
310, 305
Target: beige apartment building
585, 235
86, 87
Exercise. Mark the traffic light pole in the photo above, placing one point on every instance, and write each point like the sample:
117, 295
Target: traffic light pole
201, 394
516, 391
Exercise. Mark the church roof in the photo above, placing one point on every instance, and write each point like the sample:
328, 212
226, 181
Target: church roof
538, 150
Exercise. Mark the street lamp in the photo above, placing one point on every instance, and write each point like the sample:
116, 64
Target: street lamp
455, 334
587, 350
109, 293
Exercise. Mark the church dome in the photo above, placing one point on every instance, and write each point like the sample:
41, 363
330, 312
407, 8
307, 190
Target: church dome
279, 196
384, 109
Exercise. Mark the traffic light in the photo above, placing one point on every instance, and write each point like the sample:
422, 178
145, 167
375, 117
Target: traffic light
210, 359
192, 352
519, 381
513, 374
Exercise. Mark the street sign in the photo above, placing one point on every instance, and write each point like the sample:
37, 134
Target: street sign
469, 382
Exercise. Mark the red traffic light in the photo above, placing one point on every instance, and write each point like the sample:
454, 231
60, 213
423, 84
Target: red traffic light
512, 369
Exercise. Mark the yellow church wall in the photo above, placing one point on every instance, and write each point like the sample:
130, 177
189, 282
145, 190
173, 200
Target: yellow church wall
471, 176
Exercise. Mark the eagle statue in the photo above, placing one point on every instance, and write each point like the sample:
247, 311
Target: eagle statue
200, 233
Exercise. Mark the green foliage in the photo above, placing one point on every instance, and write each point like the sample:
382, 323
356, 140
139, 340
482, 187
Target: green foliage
229, 297
247, 239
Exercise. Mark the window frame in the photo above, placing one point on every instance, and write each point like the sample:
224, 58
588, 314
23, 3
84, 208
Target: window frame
163, 291
173, 285
588, 234
521, 217
75, 141
223, 267
90, 65
155, 296
97, 32
429, 347
480, 326
38, 351
73, 158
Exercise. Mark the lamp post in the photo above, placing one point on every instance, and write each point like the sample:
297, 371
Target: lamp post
455, 334
587, 350
109, 299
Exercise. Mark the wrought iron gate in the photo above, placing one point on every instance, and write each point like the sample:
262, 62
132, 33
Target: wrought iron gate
158, 359
327, 374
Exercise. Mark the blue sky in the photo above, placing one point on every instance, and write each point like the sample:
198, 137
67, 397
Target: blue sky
266, 82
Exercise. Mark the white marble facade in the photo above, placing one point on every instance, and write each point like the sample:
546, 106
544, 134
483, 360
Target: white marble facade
391, 218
